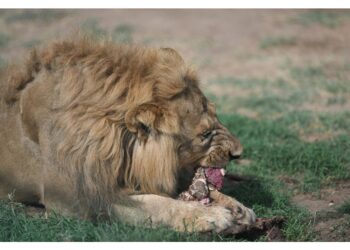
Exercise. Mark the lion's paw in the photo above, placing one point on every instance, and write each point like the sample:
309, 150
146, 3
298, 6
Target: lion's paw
244, 215
209, 219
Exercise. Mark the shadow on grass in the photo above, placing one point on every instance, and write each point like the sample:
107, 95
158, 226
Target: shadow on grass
251, 192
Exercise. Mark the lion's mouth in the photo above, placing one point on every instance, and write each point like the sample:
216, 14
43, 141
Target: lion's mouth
215, 176
216, 169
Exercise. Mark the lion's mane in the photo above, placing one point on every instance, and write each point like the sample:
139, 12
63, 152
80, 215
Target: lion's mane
98, 87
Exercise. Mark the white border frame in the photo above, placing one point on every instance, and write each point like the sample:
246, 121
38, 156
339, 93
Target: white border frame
156, 4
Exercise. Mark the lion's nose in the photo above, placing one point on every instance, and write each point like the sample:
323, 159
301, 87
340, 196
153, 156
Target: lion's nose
234, 156
236, 152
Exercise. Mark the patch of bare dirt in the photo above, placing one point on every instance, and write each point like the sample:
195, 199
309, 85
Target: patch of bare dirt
321, 102
324, 136
316, 107
334, 229
326, 199
248, 113
289, 181
329, 224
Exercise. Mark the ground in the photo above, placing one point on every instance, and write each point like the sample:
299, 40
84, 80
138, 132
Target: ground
281, 82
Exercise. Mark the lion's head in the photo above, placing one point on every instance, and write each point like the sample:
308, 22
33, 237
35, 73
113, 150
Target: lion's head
177, 129
123, 117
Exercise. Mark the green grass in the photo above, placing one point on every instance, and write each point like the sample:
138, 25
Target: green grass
274, 145
91, 27
35, 15
321, 77
261, 100
2, 62
274, 148
338, 99
31, 43
240, 82
268, 198
272, 42
4, 39
314, 85
278, 150
272, 142
16, 226
344, 208
327, 18
123, 33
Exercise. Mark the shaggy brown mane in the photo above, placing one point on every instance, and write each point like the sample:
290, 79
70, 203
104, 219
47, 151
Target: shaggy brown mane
98, 87
93, 129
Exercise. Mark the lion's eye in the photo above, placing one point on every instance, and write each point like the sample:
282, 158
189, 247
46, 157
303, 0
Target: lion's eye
206, 134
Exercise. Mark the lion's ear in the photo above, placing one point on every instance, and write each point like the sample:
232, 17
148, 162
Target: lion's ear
143, 119
172, 53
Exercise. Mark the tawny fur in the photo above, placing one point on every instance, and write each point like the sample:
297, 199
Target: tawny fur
106, 121
100, 83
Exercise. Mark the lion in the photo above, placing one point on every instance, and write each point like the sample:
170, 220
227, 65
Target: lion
96, 129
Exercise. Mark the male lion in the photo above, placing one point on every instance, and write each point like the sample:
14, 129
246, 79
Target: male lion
92, 129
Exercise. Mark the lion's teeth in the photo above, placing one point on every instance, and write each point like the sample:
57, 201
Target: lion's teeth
222, 171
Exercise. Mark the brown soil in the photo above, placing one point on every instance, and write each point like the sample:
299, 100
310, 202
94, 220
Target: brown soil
329, 224
333, 229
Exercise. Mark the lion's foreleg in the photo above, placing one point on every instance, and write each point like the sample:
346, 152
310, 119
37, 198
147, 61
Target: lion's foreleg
153, 210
